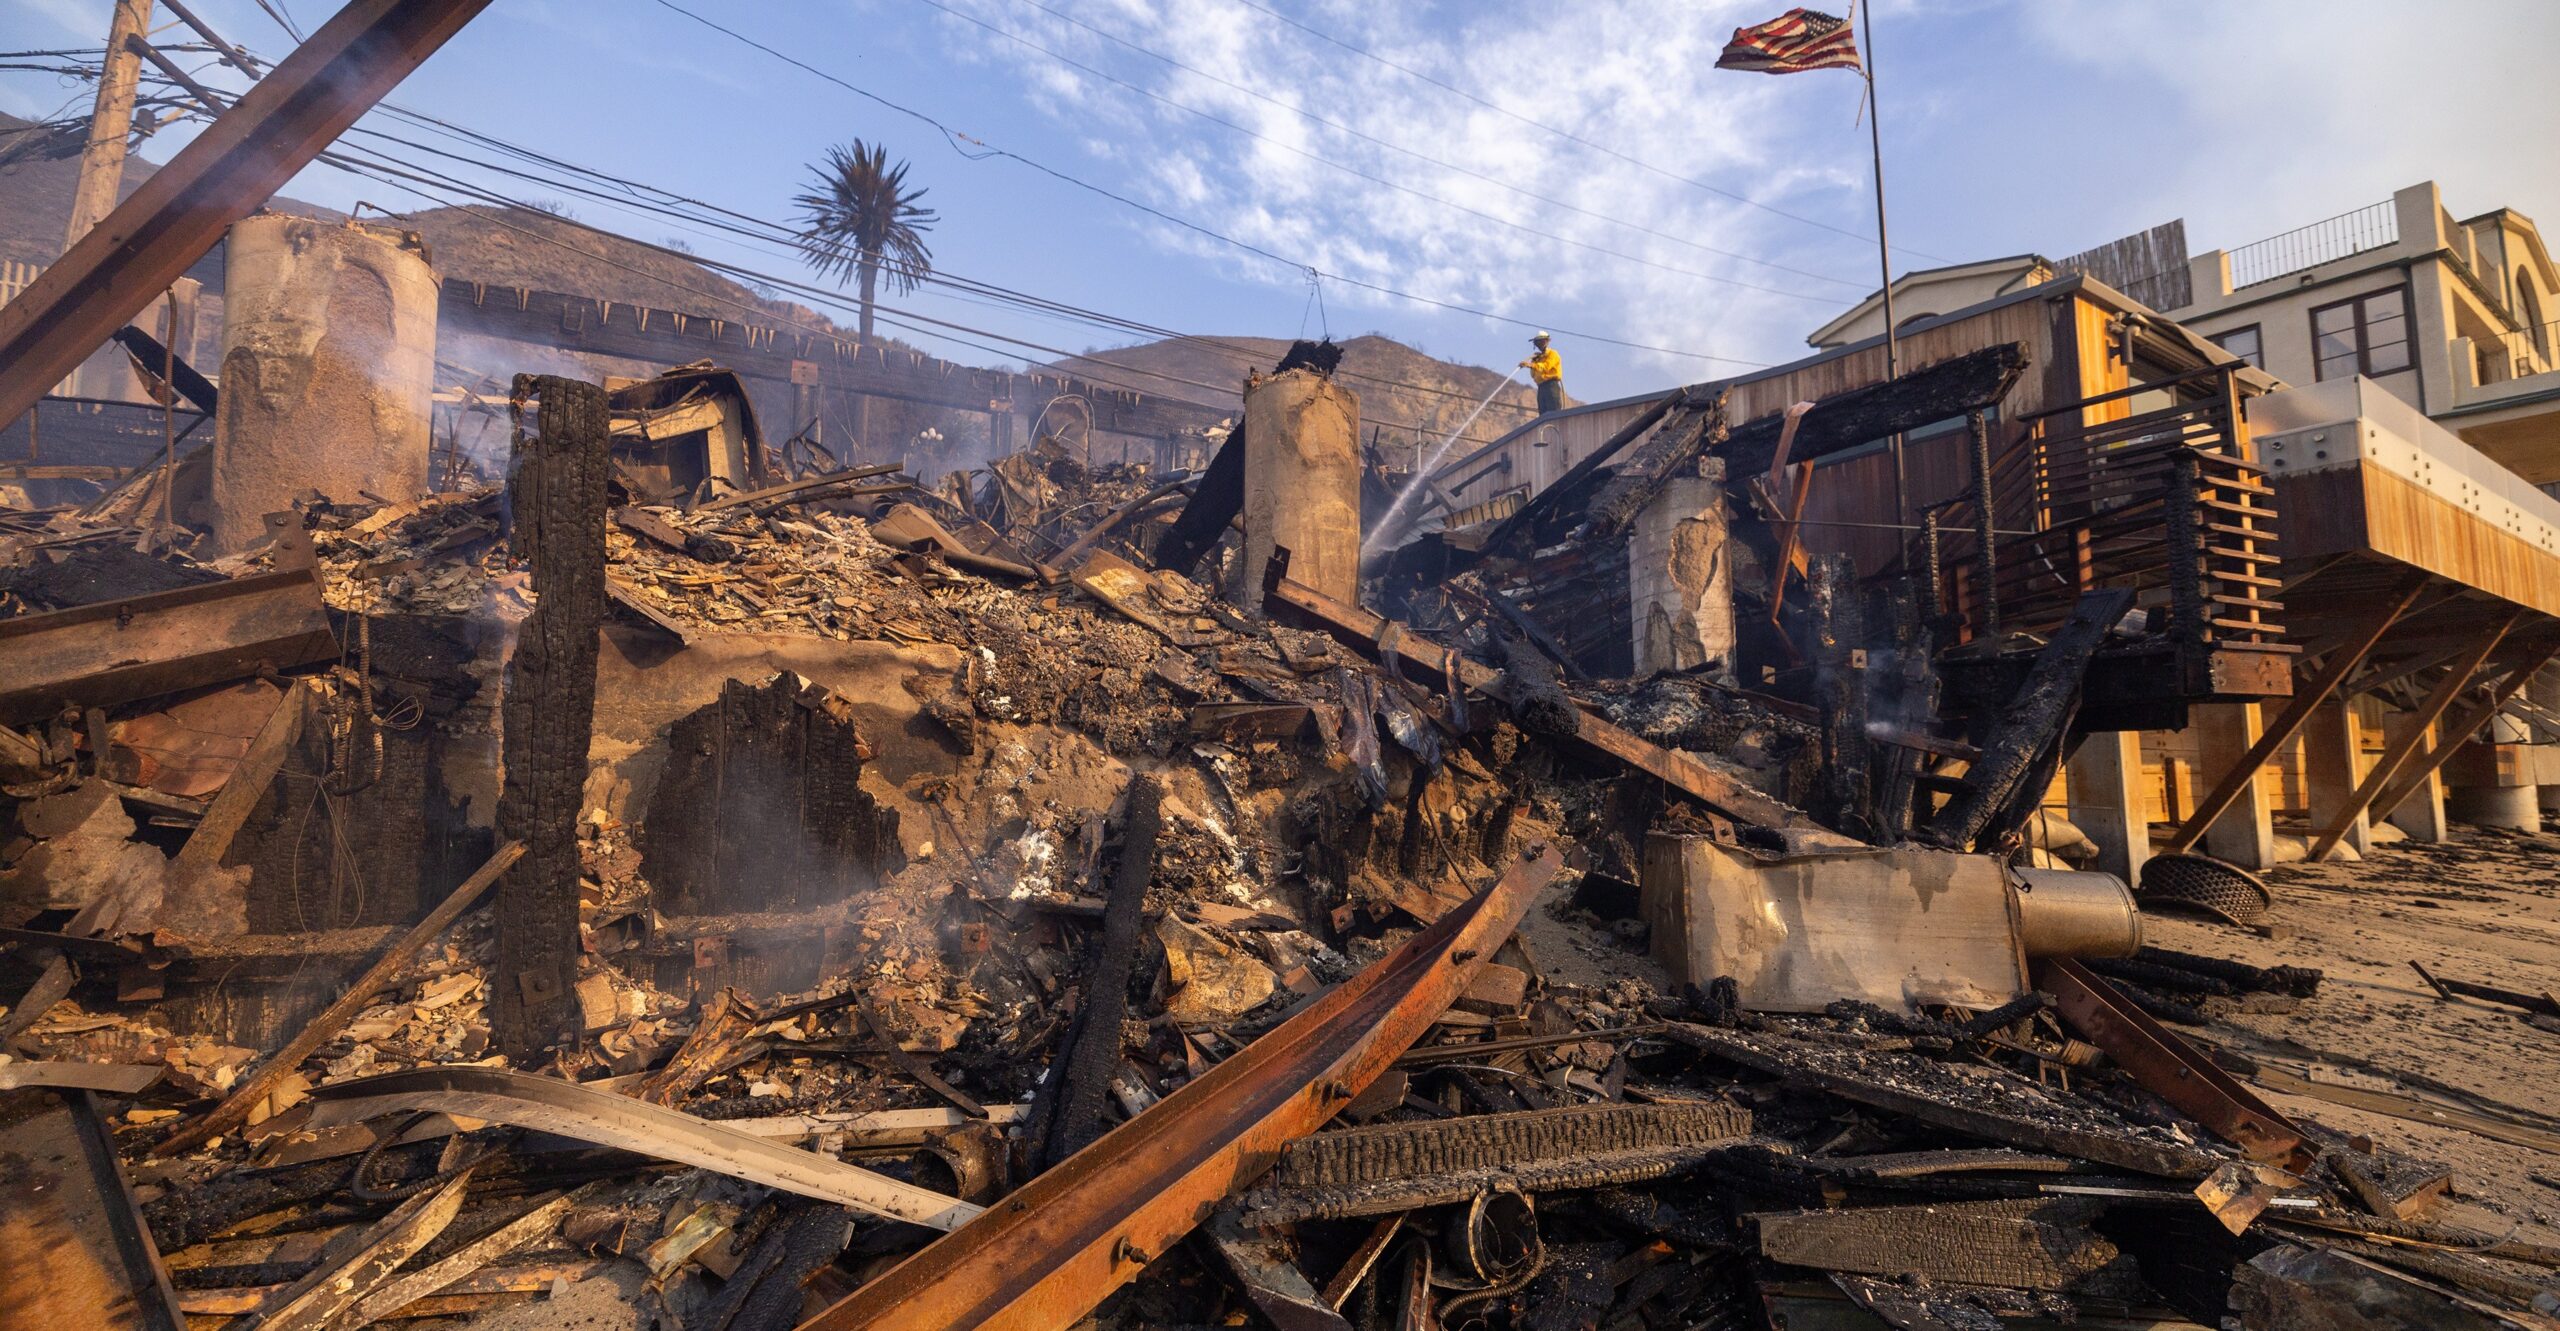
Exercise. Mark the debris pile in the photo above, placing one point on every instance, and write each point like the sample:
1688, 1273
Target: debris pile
977, 923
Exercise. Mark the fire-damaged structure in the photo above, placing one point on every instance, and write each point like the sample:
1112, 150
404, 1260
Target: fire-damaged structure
689, 880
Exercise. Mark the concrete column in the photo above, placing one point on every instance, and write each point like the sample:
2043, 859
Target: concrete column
328, 370
1679, 582
2245, 835
1302, 483
2512, 807
2107, 801
2422, 814
2543, 690
2332, 763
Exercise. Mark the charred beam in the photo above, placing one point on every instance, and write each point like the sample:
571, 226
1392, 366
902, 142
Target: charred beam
556, 491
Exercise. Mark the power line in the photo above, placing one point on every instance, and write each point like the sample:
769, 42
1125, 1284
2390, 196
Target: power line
1382, 181
1568, 135
1391, 146
986, 150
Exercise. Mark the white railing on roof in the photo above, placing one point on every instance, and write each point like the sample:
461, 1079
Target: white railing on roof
2368, 228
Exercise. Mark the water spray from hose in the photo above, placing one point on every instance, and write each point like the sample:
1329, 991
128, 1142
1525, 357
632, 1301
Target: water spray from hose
1390, 525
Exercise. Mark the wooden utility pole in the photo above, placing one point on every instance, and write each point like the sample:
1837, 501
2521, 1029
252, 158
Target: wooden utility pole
556, 496
110, 122
102, 161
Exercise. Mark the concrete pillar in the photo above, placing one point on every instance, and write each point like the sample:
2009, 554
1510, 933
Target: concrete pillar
2512, 807
328, 370
1679, 582
2103, 784
2543, 691
1302, 483
2245, 835
2332, 763
2422, 814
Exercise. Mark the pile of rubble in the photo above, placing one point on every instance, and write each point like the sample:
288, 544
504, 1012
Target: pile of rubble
978, 925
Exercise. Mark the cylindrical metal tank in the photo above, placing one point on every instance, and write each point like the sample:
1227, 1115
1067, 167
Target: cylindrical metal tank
2075, 913
328, 369
1302, 483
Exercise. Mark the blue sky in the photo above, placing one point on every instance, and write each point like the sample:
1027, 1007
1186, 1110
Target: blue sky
2009, 126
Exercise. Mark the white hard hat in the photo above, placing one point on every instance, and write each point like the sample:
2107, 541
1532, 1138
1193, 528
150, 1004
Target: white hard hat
1541, 337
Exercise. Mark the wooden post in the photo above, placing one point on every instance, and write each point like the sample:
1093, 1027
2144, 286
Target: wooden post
1985, 529
556, 493
2419, 810
2406, 744
2243, 834
2333, 672
2332, 765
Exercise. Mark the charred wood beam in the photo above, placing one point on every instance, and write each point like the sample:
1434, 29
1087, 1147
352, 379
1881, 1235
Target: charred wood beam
2032, 726
1069, 1116
1862, 415
1635, 483
556, 492
2041, 1244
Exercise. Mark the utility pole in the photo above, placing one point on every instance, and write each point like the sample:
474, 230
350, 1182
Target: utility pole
110, 122
110, 125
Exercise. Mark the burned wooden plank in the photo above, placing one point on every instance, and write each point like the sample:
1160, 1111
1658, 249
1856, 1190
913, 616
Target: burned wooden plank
388, 1299
1536, 514
319, 1299
1947, 389
2036, 1243
1411, 1150
2170, 1067
2003, 1109
234, 1109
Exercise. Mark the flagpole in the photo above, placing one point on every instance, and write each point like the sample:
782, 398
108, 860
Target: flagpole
1884, 253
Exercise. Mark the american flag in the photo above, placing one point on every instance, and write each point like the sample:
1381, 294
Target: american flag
1792, 43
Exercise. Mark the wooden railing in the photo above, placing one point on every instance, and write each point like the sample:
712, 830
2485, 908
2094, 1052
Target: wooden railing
2161, 502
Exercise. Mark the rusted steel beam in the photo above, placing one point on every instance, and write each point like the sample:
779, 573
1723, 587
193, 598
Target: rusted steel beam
2342, 661
238, 163
2171, 1068
1359, 628
1046, 1255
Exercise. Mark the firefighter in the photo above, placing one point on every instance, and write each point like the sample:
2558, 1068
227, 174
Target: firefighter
1546, 369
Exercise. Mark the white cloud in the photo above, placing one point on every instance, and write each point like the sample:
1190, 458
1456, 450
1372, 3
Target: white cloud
1613, 71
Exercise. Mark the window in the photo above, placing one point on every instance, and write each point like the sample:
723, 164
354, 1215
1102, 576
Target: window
2529, 313
2244, 343
2368, 335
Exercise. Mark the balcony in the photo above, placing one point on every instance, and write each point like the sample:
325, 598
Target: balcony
2160, 502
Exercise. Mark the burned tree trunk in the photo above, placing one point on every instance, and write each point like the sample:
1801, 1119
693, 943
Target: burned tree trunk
556, 492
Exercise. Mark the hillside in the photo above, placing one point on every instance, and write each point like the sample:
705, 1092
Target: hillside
489, 245
1402, 390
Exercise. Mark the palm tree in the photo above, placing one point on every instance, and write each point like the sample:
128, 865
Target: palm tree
860, 217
